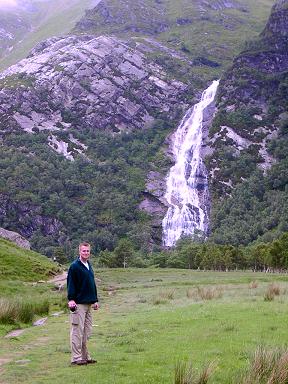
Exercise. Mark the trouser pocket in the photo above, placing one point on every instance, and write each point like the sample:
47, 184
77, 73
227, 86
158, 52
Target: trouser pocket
74, 318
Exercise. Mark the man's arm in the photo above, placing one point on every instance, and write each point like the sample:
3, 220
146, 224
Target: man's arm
71, 288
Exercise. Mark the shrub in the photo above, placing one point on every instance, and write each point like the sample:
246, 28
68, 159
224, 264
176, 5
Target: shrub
184, 374
272, 291
253, 285
12, 312
275, 289
163, 297
267, 366
209, 293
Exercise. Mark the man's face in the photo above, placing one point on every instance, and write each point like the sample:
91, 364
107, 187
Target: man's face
84, 253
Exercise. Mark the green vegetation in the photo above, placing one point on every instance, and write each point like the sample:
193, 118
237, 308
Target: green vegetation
23, 265
95, 199
211, 256
210, 37
137, 340
15, 312
16, 81
249, 189
23, 293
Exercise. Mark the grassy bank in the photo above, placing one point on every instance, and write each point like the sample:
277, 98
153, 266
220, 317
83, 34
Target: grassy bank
24, 294
150, 320
23, 265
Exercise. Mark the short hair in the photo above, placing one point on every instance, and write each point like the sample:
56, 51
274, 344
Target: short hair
84, 245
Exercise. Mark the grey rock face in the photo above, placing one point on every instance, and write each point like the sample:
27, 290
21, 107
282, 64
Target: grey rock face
277, 23
15, 238
85, 82
155, 204
28, 223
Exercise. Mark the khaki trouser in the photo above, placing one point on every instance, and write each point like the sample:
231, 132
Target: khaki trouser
81, 328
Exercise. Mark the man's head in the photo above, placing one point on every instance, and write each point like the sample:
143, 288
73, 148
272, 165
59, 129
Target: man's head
84, 251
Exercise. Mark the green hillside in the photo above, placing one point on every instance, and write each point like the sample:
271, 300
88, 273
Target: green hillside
45, 22
22, 264
252, 101
208, 33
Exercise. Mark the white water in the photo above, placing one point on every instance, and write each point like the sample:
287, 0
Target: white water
187, 186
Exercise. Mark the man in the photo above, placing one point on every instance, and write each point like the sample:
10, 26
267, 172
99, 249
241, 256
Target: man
82, 295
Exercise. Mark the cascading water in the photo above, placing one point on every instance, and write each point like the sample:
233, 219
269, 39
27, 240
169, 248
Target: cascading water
187, 186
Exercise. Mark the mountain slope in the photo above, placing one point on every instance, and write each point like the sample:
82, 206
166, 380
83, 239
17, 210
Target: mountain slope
106, 109
85, 119
29, 22
210, 33
249, 141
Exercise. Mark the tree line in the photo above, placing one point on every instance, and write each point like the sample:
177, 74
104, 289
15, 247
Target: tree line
189, 254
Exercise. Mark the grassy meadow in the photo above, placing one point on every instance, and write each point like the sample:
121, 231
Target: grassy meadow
150, 321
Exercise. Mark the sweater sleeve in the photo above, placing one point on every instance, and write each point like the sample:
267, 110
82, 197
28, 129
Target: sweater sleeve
71, 287
95, 286
96, 293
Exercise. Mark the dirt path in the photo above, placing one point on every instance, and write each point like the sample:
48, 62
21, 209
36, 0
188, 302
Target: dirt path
59, 279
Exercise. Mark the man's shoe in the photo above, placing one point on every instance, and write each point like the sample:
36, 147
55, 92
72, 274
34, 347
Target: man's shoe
91, 361
79, 362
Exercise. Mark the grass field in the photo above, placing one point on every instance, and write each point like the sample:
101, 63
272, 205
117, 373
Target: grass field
151, 319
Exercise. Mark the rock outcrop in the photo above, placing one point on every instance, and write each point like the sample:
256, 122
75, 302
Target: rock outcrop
125, 16
30, 219
154, 203
85, 83
15, 238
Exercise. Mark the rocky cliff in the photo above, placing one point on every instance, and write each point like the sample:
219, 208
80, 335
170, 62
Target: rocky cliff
249, 133
88, 84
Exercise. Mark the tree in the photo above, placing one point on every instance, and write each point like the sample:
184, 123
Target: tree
123, 253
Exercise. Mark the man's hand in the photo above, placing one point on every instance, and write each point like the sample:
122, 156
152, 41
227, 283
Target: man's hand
72, 304
95, 306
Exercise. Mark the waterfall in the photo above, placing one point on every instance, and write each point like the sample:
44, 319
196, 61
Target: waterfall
187, 184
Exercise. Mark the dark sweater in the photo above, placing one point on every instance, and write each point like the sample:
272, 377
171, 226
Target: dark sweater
81, 284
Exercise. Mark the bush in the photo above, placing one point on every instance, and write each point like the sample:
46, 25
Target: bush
184, 374
209, 293
267, 366
13, 312
272, 291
